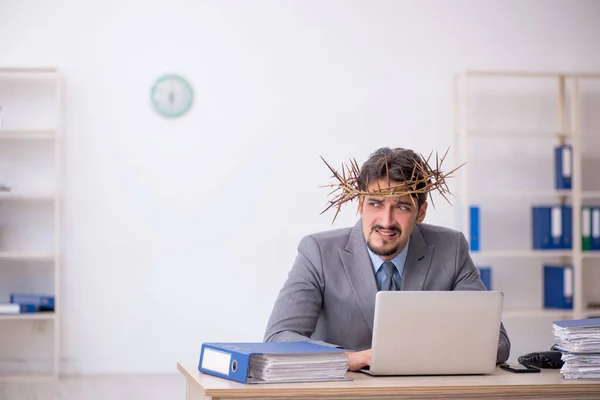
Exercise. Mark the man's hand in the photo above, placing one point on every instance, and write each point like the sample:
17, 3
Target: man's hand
358, 359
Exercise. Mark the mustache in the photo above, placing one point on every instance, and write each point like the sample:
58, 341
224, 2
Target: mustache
389, 228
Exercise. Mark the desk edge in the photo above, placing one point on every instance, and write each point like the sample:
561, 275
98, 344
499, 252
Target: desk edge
257, 391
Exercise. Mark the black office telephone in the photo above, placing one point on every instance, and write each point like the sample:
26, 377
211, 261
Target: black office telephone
542, 359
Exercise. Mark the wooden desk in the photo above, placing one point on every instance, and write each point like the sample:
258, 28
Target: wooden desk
547, 384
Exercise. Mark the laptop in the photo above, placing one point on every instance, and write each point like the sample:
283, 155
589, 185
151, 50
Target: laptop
435, 332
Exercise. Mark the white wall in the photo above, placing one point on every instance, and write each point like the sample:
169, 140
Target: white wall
171, 225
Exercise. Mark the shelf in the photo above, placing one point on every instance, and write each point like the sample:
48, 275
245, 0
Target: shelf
27, 378
509, 211
486, 134
528, 74
28, 73
26, 196
534, 253
17, 255
542, 313
538, 313
29, 316
28, 70
586, 194
522, 253
480, 133
28, 134
590, 194
520, 194
31, 166
592, 312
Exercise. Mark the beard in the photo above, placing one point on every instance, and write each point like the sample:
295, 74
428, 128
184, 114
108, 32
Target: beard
384, 249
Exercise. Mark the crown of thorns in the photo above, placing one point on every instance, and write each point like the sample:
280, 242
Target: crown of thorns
423, 179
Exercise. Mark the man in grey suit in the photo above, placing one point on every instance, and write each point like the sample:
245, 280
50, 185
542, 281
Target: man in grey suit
329, 296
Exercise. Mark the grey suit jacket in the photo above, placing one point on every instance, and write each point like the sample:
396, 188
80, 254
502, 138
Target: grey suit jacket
329, 295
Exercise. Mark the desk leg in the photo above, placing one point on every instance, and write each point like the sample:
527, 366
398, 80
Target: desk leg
193, 392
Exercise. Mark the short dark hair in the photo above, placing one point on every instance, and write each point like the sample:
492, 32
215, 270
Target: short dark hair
400, 167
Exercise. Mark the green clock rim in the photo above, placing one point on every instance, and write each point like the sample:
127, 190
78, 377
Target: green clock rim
187, 105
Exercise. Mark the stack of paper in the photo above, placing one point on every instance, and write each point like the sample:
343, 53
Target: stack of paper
298, 367
579, 341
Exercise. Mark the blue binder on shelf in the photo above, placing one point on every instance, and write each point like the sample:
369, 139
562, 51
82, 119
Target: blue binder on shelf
485, 273
558, 286
563, 166
552, 227
540, 221
42, 302
547, 227
474, 228
595, 232
566, 234
12, 308
233, 360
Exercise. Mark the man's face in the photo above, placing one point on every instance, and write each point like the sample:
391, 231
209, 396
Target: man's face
388, 221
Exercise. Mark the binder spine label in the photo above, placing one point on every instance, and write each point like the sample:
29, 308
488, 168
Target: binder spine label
556, 225
566, 162
596, 223
217, 361
586, 228
568, 283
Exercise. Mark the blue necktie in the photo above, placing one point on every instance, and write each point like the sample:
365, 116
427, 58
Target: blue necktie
389, 283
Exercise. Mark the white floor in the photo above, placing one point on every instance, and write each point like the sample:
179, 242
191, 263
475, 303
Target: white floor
114, 387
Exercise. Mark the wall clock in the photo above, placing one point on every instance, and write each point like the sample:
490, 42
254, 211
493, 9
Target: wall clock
171, 95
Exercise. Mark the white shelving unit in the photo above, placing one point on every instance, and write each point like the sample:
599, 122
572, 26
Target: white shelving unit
30, 218
506, 166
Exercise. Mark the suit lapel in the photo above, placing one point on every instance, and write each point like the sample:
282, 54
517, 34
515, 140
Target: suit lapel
359, 269
418, 261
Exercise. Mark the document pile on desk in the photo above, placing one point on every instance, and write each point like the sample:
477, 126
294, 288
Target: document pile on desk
579, 342
260, 362
298, 367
